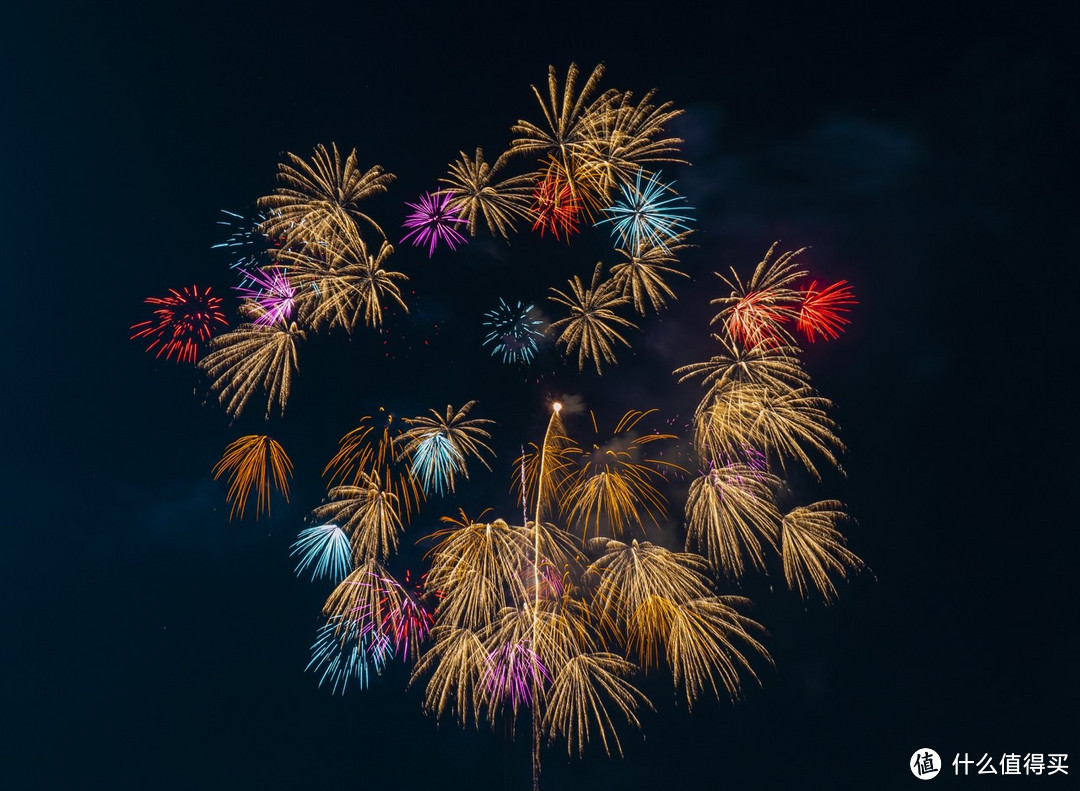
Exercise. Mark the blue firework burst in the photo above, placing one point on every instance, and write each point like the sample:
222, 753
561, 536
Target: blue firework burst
514, 332
646, 216
247, 244
345, 651
434, 462
325, 550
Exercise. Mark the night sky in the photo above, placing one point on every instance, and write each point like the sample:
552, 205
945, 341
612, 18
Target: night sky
925, 155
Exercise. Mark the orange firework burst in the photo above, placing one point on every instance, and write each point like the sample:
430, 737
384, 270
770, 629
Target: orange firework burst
258, 463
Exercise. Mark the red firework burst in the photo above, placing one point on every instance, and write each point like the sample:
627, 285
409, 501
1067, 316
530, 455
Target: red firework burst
756, 319
182, 321
555, 207
822, 310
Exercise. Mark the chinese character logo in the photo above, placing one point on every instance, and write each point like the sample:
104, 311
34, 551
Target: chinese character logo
925, 763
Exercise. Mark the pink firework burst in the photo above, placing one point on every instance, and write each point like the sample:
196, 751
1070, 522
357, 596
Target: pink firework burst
511, 672
432, 221
270, 293
822, 310
406, 622
182, 321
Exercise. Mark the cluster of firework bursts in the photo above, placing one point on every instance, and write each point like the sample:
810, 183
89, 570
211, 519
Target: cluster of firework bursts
551, 614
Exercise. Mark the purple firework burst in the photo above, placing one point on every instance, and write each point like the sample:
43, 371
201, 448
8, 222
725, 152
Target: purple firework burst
511, 672
432, 221
271, 292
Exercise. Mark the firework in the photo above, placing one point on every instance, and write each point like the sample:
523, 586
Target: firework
632, 574
477, 567
325, 549
252, 358
790, 422
370, 449
731, 512
569, 115
646, 217
344, 653
182, 322
774, 366
813, 549
247, 243
591, 326
707, 641
458, 665
268, 295
341, 281
555, 207
612, 483
367, 513
368, 599
515, 332
440, 444
434, 462
580, 699
822, 310
627, 134
470, 183
254, 463
513, 670
756, 310
408, 626
641, 275
315, 197
432, 221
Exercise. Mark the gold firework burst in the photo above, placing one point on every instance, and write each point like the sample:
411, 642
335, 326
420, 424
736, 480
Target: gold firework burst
341, 282
314, 196
611, 483
476, 194
252, 358
731, 513
813, 549
370, 450
368, 514
641, 276
591, 326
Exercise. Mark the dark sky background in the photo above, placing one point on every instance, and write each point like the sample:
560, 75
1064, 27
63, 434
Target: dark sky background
925, 155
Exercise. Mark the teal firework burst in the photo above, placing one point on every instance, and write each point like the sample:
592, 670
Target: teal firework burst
434, 462
649, 214
345, 651
325, 550
515, 332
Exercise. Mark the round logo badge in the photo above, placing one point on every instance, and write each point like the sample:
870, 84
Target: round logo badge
925, 763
